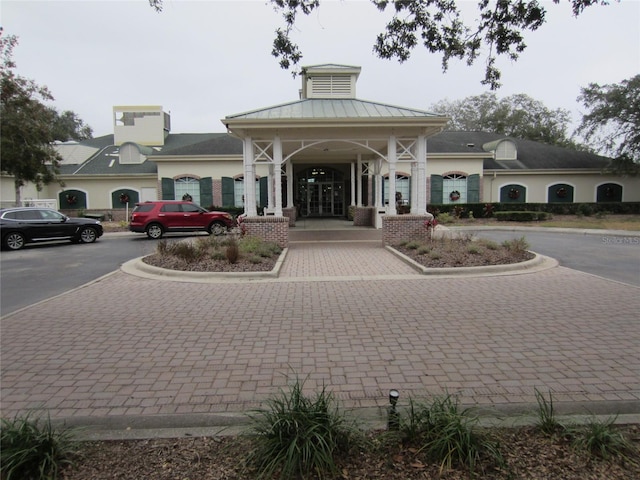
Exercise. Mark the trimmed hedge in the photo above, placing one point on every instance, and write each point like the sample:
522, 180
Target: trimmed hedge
521, 216
484, 210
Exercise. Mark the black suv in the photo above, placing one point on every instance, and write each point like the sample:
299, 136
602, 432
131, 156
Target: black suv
22, 225
157, 217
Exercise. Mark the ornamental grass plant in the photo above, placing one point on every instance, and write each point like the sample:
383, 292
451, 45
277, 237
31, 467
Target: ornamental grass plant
600, 438
32, 449
299, 435
445, 433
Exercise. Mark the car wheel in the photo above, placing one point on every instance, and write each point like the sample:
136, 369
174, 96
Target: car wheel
155, 231
14, 241
88, 235
217, 228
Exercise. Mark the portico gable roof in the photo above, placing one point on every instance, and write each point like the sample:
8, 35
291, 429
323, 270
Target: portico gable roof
327, 114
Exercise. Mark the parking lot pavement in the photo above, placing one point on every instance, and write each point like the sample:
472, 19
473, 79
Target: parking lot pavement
349, 317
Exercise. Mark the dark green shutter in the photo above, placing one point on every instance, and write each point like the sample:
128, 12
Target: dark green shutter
473, 188
264, 191
436, 188
228, 195
168, 192
206, 192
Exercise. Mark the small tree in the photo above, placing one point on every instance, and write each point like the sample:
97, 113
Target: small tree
613, 122
29, 126
517, 115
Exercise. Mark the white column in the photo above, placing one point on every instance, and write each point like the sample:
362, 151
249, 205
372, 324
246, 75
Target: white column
421, 157
392, 158
277, 173
377, 178
359, 181
353, 184
249, 179
414, 187
270, 187
289, 167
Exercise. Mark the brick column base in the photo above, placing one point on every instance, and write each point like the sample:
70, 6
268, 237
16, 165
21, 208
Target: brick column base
292, 213
269, 228
364, 216
396, 228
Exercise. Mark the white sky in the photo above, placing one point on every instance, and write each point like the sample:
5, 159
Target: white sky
204, 60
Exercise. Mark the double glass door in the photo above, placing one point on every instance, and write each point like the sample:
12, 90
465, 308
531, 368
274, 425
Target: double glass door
325, 199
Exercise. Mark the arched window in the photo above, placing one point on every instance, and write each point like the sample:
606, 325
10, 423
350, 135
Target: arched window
187, 188
403, 187
454, 188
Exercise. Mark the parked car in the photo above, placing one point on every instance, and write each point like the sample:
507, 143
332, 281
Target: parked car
22, 225
157, 217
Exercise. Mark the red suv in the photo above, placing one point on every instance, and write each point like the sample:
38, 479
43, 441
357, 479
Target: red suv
156, 218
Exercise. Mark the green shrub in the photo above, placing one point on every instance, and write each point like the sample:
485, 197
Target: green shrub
474, 249
489, 244
298, 435
32, 449
413, 245
423, 250
232, 252
445, 218
447, 434
602, 439
546, 422
255, 259
521, 216
516, 244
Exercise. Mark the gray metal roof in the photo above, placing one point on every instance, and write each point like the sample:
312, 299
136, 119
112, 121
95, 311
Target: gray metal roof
322, 108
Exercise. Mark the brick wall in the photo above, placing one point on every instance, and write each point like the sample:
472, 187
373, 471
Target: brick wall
396, 228
269, 228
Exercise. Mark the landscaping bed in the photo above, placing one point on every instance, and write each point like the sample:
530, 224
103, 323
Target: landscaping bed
529, 454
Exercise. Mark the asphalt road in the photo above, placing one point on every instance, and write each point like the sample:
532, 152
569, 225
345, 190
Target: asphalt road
613, 257
42, 271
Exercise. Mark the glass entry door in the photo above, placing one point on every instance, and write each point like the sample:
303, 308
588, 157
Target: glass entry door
320, 201
321, 193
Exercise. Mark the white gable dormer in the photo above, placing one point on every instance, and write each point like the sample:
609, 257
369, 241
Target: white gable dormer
504, 149
329, 81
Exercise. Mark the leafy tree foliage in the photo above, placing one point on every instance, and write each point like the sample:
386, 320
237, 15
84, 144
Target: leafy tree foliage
517, 115
29, 126
437, 24
613, 122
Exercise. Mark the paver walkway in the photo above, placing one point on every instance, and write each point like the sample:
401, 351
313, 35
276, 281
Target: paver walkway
346, 315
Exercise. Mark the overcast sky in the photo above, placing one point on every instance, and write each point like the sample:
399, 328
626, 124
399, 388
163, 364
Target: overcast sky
204, 60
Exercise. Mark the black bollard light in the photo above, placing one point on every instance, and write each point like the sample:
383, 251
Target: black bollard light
393, 421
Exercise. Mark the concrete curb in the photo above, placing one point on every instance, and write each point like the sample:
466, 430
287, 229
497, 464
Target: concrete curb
140, 269
574, 231
369, 418
536, 264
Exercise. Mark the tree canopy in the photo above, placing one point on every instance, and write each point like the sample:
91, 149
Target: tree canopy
516, 115
612, 122
439, 25
29, 126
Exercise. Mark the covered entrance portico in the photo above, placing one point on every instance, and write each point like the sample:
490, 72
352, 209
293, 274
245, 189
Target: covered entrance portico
333, 150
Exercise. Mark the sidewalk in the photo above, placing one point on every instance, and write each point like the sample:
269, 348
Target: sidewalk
349, 315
